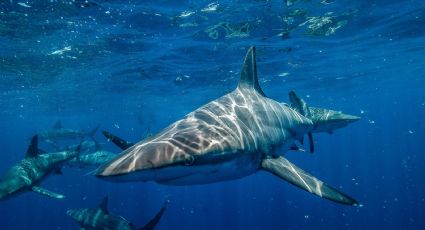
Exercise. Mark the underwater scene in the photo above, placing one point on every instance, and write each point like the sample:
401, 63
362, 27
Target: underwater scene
249, 114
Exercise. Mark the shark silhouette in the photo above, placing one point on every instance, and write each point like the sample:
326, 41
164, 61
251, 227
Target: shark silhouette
231, 137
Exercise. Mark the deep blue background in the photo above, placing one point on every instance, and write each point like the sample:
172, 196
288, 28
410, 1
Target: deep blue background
134, 68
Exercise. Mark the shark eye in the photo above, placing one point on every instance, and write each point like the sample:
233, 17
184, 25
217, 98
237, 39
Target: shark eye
189, 160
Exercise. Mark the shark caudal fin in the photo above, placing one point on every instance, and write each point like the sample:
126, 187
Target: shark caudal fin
121, 143
249, 78
284, 169
155, 220
324, 120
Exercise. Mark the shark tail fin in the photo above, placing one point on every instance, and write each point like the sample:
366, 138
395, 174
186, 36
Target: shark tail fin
121, 143
155, 220
284, 169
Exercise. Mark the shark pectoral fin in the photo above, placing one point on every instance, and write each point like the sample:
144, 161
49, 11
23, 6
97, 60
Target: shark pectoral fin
48, 193
284, 169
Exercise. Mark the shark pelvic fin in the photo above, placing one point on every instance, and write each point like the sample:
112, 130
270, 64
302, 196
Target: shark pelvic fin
57, 125
48, 193
32, 150
121, 143
104, 204
249, 77
284, 169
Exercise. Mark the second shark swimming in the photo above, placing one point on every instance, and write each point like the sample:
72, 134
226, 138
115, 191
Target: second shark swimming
231, 137
32, 170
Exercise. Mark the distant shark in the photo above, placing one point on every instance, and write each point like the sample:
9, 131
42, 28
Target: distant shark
100, 218
231, 137
32, 170
93, 159
58, 132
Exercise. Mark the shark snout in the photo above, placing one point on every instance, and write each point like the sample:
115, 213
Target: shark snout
144, 162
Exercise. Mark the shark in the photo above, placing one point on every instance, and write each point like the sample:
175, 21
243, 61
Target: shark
234, 136
100, 218
58, 132
93, 159
32, 170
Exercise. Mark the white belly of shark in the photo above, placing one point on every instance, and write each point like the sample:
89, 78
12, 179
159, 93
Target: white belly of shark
229, 138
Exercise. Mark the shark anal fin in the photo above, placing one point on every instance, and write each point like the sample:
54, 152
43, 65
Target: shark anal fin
284, 169
46, 192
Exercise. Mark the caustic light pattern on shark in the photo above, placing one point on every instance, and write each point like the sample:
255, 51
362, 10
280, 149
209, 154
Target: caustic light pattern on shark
229, 138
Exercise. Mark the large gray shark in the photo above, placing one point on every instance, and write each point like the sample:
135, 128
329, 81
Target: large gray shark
32, 170
100, 218
231, 137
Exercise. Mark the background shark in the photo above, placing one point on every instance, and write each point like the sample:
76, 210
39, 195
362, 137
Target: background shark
58, 133
32, 170
100, 218
229, 138
93, 159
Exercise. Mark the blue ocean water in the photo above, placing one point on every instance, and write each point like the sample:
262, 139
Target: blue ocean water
133, 67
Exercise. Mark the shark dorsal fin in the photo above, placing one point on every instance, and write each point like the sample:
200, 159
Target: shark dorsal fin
104, 205
32, 150
249, 77
57, 125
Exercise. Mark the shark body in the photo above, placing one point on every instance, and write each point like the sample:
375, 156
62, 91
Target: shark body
59, 133
93, 159
32, 170
101, 219
231, 137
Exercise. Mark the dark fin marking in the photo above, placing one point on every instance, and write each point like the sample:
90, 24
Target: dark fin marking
32, 150
121, 143
104, 204
249, 78
155, 220
284, 169
311, 142
58, 125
